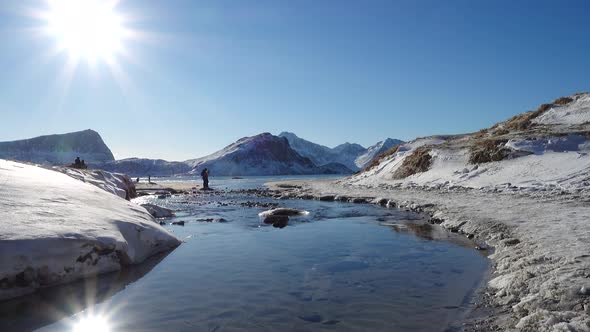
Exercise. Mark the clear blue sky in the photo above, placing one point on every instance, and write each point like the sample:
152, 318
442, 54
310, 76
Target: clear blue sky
330, 71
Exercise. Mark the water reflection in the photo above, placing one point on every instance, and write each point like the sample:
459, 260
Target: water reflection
52, 304
427, 231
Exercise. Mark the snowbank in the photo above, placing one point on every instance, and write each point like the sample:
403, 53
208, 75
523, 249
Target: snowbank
114, 183
551, 165
55, 229
575, 113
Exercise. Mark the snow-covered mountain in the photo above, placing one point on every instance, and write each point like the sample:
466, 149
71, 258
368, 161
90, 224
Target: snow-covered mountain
375, 150
58, 149
263, 154
352, 155
319, 154
145, 167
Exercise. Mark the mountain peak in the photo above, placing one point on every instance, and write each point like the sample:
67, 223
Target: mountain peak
58, 149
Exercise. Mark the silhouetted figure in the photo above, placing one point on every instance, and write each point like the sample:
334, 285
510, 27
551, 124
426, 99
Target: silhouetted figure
205, 176
77, 161
137, 180
149, 179
83, 164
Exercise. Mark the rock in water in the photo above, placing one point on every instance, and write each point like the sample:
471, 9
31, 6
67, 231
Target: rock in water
277, 221
157, 211
327, 198
283, 212
274, 219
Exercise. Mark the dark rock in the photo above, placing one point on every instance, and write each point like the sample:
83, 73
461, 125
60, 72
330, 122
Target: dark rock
511, 242
212, 220
284, 212
359, 200
327, 198
382, 201
281, 224
179, 223
434, 220
272, 219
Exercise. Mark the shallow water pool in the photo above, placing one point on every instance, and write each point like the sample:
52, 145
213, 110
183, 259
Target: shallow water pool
343, 267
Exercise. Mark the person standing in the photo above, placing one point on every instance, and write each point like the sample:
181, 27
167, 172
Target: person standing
205, 176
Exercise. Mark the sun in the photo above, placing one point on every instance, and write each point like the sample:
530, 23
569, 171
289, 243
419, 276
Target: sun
92, 324
86, 29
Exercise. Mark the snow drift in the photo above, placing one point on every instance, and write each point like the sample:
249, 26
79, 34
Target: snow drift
55, 229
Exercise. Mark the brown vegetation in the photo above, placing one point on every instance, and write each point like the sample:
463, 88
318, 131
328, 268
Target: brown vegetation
419, 161
524, 121
488, 150
563, 101
381, 157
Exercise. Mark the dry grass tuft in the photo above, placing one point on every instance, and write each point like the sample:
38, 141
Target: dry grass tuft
524, 121
563, 101
384, 155
419, 161
485, 151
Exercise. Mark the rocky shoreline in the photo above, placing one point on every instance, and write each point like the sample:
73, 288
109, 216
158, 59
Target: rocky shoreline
535, 284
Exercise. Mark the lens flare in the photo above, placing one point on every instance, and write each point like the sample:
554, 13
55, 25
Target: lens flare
90, 29
92, 324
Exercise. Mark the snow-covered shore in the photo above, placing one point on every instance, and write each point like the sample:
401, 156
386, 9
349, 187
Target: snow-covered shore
55, 229
521, 186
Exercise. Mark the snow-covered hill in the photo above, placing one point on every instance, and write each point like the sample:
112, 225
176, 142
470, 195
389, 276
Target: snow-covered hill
56, 229
352, 155
543, 150
263, 154
58, 149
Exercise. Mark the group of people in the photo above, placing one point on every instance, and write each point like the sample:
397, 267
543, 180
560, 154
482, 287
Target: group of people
81, 164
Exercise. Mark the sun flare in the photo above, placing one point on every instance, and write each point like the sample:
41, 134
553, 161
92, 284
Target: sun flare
88, 29
92, 324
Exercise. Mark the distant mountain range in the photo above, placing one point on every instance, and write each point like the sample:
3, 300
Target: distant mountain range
351, 155
263, 154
